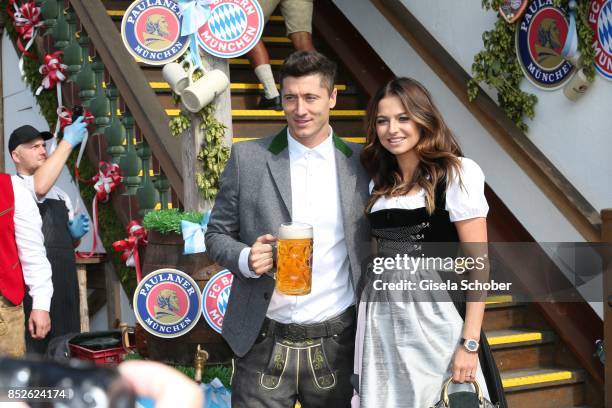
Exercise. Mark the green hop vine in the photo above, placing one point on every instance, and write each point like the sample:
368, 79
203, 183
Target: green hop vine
179, 124
213, 153
497, 64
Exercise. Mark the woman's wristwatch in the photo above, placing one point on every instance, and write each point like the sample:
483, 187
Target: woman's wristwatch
470, 345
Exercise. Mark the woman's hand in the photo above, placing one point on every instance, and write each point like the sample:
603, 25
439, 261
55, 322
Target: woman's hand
464, 365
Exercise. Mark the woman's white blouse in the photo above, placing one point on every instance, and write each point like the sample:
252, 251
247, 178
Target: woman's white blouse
463, 201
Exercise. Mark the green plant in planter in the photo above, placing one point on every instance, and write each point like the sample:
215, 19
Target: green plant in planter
169, 221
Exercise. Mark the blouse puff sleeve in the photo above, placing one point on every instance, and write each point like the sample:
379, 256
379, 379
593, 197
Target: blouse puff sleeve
466, 200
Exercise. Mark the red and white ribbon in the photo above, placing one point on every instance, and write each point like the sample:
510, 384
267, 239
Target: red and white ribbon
137, 236
27, 22
54, 73
64, 118
104, 183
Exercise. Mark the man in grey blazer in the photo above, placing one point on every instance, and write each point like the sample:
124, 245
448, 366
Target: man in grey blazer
292, 348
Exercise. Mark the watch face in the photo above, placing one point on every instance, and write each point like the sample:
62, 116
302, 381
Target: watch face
471, 345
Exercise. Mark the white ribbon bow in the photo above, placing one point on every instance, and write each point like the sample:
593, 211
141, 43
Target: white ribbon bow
193, 235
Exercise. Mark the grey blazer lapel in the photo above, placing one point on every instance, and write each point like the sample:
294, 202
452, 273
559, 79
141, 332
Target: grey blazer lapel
278, 164
347, 179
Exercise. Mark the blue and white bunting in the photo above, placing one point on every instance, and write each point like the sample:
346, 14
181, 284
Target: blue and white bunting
195, 13
193, 235
570, 48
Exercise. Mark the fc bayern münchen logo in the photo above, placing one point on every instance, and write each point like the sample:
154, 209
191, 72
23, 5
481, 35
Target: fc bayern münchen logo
234, 27
167, 303
540, 37
600, 19
151, 31
214, 298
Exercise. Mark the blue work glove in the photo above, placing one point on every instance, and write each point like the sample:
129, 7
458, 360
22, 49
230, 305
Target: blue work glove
75, 132
78, 226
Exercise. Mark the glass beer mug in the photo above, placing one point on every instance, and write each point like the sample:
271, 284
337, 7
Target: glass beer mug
294, 259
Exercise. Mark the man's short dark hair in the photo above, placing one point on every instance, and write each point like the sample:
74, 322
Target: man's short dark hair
303, 63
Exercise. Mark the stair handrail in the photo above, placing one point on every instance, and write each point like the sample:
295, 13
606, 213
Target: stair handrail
134, 88
560, 191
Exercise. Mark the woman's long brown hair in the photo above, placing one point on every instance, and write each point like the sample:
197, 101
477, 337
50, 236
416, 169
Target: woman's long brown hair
437, 148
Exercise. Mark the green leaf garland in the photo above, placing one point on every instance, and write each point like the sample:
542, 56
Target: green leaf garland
497, 64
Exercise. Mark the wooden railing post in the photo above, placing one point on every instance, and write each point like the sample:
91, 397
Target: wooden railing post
113, 295
606, 237
193, 137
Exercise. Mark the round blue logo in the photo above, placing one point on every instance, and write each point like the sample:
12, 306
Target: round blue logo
167, 303
215, 297
540, 36
151, 31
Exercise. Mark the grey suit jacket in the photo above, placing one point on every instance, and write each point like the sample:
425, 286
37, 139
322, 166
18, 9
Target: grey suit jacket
253, 200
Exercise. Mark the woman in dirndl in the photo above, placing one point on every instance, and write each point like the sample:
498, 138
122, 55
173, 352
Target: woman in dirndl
423, 192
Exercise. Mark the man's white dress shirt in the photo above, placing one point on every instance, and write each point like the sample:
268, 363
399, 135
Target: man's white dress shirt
30, 246
315, 200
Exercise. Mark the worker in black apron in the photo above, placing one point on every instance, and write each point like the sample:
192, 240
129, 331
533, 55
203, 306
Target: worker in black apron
62, 231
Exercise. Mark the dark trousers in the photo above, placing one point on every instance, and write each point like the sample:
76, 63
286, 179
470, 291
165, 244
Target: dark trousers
277, 372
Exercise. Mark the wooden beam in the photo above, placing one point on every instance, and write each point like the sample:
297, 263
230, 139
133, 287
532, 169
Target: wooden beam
570, 202
134, 88
348, 46
96, 301
113, 295
81, 270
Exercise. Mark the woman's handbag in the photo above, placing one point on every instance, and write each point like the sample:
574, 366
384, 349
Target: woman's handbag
463, 399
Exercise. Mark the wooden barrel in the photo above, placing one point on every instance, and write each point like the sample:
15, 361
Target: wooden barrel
166, 251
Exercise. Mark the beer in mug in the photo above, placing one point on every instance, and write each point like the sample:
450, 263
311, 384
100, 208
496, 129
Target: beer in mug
294, 259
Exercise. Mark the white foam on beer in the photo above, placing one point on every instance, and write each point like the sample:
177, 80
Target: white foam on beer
295, 231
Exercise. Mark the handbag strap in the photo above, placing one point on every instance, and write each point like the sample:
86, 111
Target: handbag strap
444, 393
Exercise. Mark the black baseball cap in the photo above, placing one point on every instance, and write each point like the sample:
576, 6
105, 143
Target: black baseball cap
25, 134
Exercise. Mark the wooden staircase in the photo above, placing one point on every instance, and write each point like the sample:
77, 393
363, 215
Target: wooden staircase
249, 122
537, 368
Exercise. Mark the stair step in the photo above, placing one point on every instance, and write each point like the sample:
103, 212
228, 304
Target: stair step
275, 40
254, 113
518, 380
499, 339
498, 300
245, 61
544, 388
272, 114
164, 86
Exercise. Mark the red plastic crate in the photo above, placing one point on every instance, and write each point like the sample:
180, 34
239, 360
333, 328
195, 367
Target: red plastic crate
111, 356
